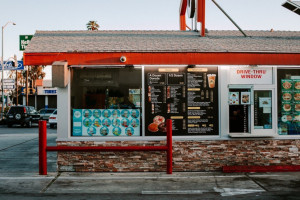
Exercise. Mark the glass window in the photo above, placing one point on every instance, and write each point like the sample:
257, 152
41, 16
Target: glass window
42, 111
288, 84
262, 109
14, 110
49, 111
32, 109
106, 101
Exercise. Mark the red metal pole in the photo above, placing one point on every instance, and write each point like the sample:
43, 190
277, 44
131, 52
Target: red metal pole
169, 145
93, 148
201, 15
203, 19
182, 11
42, 147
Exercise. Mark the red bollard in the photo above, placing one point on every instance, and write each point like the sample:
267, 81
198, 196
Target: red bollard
169, 145
42, 147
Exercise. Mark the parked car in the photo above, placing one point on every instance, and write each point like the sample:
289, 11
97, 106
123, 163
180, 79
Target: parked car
53, 119
23, 115
46, 112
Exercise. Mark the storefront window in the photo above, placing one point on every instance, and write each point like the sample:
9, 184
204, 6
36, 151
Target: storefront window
106, 101
288, 84
250, 110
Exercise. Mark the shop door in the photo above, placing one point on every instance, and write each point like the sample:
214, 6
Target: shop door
239, 110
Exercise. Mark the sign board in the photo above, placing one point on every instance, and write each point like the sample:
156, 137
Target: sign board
46, 91
251, 75
8, 81
245, 98
24, 41
9, 65
188, 96
106, 122
234, 98
31, 91
7, 87
8, 84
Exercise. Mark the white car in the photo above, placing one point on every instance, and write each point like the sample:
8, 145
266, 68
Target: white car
45, 113
53, 119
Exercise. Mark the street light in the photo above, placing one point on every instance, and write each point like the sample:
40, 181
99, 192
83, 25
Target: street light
2, 109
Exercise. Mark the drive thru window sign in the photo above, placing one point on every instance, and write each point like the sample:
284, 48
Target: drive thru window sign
24, 41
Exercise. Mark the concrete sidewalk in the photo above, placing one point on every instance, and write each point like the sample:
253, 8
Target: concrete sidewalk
136, 185
19, 178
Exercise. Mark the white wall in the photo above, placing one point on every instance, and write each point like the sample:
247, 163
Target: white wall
63, 112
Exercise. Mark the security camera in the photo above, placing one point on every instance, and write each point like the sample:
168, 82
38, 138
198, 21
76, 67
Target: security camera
123, 59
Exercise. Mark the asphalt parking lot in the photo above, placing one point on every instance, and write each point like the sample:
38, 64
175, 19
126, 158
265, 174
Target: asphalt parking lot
19, 149
20, 179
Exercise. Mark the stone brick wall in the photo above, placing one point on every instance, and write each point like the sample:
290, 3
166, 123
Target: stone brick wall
187, 156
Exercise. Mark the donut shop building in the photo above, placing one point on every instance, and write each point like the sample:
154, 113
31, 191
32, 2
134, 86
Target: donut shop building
234, 100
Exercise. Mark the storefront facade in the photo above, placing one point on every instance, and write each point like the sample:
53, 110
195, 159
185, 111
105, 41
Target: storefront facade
233, 100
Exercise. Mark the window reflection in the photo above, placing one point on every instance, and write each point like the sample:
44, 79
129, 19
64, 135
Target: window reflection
106, 102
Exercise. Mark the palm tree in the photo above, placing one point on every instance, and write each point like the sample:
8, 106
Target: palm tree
92, 25
34, 73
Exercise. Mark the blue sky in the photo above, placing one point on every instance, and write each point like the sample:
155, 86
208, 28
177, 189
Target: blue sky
32, 15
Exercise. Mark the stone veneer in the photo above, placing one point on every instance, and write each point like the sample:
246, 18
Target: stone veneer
187, 156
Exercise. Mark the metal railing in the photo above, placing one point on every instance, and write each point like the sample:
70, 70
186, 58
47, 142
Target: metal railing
43, 148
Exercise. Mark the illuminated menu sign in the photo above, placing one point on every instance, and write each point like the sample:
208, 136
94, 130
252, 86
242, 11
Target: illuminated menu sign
106, 122
188, 96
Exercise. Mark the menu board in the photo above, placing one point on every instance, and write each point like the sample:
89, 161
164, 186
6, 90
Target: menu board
290, 101
106, 122
188, 96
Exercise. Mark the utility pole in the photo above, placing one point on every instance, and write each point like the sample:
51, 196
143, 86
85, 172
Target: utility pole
2, 58
17, 100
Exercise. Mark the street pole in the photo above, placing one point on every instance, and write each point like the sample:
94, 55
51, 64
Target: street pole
17, 101
2, 109
35, 95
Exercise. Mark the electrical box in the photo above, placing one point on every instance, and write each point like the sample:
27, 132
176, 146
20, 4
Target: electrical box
60, 74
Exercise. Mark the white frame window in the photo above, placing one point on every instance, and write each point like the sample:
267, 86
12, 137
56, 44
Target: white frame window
227, 82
